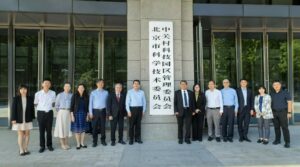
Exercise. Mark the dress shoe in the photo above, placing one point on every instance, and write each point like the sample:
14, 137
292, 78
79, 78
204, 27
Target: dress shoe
22, 154
42, 150
103, 143
241, 139
83, 146
188, 141
218, 139
94, 145
180, 141
230, 140
194, 139
246, 139
122, 142
78, 148
287, 145
210, 138
259, 140
225, 139
139, 141
26, 152
265, 142
50, 148
276, 142
130, 142
200, 140
113, 143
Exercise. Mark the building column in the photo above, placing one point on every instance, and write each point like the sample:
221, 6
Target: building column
140, 12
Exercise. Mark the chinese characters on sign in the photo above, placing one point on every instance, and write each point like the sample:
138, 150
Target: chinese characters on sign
161, 68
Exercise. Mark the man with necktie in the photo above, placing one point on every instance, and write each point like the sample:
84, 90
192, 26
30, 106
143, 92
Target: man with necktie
97, 111
116, 111
184, 108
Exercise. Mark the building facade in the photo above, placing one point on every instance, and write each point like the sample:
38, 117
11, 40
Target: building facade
79, 41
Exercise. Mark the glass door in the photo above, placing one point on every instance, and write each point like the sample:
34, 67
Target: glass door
296, 74
277, 57
224, 55
26, 59
252, 59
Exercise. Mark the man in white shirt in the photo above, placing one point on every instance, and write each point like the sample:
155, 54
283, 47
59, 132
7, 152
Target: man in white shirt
214, 110
44, 101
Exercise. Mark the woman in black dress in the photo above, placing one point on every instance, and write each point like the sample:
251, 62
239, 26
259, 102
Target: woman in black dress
198, 118
22, 116
79, 117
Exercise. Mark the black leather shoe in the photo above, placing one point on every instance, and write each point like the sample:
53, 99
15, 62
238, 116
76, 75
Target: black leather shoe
122, 142
50, 148
188, 141
225, 139
139, 141
103, 143
180, 141
246, 139
259, 141
78, 148
287, 145
276, 142
241, 139
194, 139
218, 139
42, 150
113, 143
265, 142
210, 138
83, 146
230, 140
22, 154
94, 145
27, 152
131, 142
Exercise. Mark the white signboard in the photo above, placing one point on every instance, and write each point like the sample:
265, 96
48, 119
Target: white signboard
161, 68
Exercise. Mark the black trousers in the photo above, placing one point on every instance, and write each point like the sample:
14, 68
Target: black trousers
228, 121
45, 121
243, 120
99, 118
281, 121
117, 121
185, 120
197, 125
135, 123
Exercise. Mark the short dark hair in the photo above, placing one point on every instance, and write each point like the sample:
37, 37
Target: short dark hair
22, 86
243, 79
275, 81
136, 80
99, 80
67, 83
47, 79
262, 87
183, 81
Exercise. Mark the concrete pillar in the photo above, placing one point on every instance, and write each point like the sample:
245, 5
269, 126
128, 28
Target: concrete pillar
140, 12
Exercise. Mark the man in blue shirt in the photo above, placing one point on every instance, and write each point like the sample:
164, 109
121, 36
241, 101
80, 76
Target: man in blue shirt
97, 111
136, 108
230, 108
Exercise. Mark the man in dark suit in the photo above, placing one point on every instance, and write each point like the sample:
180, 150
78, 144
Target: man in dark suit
245, 99
184, 108
117, 112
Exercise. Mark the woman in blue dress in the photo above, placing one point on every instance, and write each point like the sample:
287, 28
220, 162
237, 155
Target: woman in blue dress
79, 110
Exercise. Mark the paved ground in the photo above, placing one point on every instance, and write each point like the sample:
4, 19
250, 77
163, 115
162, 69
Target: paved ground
154, 153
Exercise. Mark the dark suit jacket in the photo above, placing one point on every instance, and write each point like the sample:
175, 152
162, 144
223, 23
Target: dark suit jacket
201, 102
178, 103
17, 110
113, 107
75, 103
250, 100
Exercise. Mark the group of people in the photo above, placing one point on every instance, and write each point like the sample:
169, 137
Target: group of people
73, 113
222, 106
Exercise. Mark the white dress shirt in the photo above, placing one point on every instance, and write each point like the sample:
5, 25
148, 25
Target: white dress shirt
187, 98
244, 91
44, 101
214, 99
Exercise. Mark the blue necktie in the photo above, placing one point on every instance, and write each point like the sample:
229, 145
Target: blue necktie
185, 99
